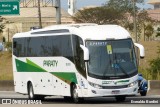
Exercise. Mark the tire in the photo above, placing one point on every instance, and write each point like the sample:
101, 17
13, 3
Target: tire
120, 98
74, 94
143, 93
39, 97
67, 98
31, 94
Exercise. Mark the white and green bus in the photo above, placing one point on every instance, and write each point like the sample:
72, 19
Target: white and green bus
76, 61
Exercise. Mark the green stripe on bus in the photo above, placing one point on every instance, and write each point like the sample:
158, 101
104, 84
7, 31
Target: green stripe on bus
25, 67
33, 64
66, 76
30, 66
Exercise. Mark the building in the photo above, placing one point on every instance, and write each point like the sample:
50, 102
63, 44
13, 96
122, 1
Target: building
155, 15
29, 18
155, 3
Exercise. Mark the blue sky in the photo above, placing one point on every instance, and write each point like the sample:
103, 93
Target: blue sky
83, 3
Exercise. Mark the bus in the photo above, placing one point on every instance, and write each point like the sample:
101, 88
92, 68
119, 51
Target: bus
76, 61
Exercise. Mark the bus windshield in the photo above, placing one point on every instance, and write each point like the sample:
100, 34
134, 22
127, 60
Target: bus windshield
111, 59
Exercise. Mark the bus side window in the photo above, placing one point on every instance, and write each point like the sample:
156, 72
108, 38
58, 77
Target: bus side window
80, 58
15, 47
78, 55
14, 44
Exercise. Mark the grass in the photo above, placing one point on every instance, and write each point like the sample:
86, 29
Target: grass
150, 51
151, 48
6, 66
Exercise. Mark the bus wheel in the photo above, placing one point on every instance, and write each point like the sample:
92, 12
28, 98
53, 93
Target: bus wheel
120, 98
31, 91
143, 93
67, 98
74, 93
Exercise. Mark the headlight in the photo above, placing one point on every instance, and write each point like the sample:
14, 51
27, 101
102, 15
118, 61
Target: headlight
95, 85
132, 84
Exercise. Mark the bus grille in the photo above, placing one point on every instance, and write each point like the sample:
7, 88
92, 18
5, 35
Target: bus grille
114, 87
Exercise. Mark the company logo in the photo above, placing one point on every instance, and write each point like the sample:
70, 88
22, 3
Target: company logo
50, 63
6, 101
20, 101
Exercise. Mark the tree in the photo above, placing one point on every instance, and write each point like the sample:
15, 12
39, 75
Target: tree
1, 24
120, 5
158, 32
99, 15
123, 6
149, 31
4, 39
155, 65
115, 12
126, 8
142, 20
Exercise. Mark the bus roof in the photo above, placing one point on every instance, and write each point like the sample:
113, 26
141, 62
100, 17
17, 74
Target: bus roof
85, 31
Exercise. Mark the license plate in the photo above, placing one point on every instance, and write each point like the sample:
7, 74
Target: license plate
115, 91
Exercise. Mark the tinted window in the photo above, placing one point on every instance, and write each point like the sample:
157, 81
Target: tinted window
47, 46
43, 46
111, 59
78, 54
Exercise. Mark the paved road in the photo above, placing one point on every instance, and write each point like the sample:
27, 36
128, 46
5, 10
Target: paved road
91, 102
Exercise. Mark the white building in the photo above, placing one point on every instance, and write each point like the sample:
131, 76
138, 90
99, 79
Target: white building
156, 3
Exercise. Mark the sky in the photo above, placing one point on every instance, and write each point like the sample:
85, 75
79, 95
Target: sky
83, 3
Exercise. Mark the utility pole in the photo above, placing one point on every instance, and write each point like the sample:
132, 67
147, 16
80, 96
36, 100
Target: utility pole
58, 11
8, 34
134, 20
39, 14
135, 28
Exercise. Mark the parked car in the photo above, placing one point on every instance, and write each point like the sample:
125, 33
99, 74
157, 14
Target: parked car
143, 85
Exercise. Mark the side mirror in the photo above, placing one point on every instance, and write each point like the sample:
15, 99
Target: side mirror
86, 53
141, 49
140, 75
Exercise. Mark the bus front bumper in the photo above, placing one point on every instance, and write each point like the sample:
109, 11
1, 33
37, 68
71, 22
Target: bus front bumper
94, 92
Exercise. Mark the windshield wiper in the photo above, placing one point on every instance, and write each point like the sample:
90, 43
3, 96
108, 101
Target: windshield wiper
109, 64
119, 66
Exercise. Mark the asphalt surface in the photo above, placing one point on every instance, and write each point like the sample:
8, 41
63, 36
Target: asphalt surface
58, 101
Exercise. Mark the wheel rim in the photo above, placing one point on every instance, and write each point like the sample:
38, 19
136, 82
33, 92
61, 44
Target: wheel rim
31, 92
75, 95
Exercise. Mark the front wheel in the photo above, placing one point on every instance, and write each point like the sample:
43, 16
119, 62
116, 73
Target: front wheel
74, 93
143, 93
